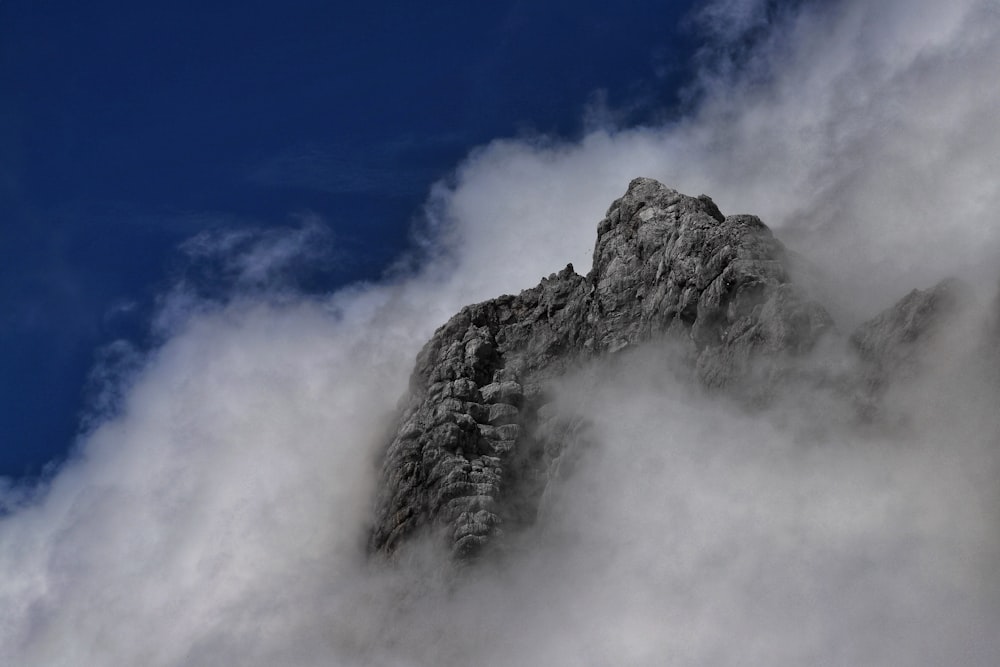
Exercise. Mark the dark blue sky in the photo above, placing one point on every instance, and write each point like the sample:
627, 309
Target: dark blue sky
126, 128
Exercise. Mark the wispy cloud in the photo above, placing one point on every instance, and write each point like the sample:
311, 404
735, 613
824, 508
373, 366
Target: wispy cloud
260, 257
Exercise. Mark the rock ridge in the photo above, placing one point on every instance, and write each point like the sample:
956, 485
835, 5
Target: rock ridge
474, 446
477, 442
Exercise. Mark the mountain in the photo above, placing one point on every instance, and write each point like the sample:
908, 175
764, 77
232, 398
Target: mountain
477, 442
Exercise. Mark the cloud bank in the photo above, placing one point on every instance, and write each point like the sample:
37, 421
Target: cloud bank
218, 517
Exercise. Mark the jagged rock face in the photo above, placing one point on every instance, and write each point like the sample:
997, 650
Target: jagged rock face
891, 343
475, 445
669, 263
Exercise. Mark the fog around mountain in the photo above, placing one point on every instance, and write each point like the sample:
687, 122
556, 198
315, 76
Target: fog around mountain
217, 511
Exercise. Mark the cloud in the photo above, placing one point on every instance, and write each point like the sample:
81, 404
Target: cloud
268, 263
695, 535
258, 257
219, 517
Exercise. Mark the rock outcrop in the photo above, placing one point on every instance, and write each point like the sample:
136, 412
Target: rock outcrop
476, 443
473, 449
891, 343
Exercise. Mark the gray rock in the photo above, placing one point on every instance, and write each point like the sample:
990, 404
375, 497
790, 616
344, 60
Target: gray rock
475, 448
891, 344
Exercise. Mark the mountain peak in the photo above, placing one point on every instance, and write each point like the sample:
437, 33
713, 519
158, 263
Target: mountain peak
477, 443
472, 450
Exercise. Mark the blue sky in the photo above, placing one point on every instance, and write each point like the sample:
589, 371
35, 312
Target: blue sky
126, 128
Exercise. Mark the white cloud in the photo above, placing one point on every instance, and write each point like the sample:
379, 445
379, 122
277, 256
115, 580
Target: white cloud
219, 517
259, 257
871, 144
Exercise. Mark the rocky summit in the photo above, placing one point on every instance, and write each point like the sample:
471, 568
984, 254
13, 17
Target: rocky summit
475, 444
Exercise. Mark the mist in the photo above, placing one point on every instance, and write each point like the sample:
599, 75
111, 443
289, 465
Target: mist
216, 510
